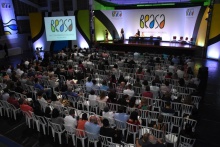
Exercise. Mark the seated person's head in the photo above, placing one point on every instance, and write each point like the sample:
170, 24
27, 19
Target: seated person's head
93, 119
105, 122
84, 116
55, 113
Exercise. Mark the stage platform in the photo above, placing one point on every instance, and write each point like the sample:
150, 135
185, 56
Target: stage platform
176, 48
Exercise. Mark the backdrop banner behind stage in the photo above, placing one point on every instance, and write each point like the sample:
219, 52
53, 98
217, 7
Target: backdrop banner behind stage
165, 23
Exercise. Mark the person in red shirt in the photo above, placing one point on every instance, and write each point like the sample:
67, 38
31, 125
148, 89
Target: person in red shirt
147, 92
24, 106
12, 100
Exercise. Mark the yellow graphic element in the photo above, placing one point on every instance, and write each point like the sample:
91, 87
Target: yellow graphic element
215, 29
200, 41
100, 31
35, 23
83, 20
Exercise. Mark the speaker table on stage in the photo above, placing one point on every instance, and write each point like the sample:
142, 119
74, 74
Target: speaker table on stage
118, 41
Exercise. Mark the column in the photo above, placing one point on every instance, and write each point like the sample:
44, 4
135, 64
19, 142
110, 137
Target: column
8, 17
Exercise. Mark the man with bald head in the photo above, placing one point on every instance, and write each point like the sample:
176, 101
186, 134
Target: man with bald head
93, 126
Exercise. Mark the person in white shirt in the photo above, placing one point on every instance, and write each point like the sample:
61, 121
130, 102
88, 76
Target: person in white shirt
180, 72
92, 98
107, 114
171, 68
9, 70
129, 91
69, 120
19, 72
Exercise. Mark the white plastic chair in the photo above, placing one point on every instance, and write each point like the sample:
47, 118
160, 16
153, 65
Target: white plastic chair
177, 107
152, 116
1, 108
157, 133
105, 141
80, 134
48, 124
43, 105
92, 138
186, 142
14, 110
121, 126
132, 129
113, 107
6, 107
35, 120
70, 131
128, 144
101, 106
41, 122
171, 138
177, 122
56, 128
192, 122
28, 118
143, 130
186, 109
196, 100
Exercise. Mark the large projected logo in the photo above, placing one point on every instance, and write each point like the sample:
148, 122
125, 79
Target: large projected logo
152, 21
117, 14
6, 5
62, 25
190, 12
60, 28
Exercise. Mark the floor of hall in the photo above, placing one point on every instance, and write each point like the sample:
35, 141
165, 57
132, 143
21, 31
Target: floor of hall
207, 130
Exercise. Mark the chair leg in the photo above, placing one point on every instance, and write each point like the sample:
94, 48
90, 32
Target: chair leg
60, 140
43, 129
67, 136
73, 138
134, 135
83, 142
127, 136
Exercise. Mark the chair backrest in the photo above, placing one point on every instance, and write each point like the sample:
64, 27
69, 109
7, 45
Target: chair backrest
105, 141
192, 122
41, 120
153, 116
93, 103
176, 106
101, 105
80, 133
120, 125
186, 109
113, 107
69, 129
196, 100
143, 130
56, 127
157, 133
92, 137
176, 121
132, 128
186, 142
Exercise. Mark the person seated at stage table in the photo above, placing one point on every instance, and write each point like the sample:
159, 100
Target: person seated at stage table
142, 34
137, 34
